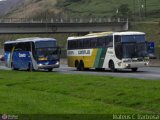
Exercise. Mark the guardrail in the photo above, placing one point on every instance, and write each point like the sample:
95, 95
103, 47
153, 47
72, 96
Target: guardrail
62, 20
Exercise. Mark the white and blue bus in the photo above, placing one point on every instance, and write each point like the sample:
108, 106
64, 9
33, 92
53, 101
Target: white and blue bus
32, 54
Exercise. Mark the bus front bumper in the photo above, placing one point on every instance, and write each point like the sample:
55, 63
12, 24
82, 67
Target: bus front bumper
41, 66
129, 65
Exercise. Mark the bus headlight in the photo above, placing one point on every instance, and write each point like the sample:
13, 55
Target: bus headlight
146, 64
128, 65
57, 63
40, 64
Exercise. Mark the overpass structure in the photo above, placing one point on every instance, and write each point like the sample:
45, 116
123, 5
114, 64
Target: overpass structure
59, 25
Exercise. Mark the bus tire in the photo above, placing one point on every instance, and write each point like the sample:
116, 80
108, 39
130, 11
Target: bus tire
86, 69
76, 64
99, 69
112, 66
30, 68
12, 67
81, 66
134, 69
50, 69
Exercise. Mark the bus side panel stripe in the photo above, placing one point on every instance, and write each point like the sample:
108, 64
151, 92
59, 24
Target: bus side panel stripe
96, 63
102, 57
11, 56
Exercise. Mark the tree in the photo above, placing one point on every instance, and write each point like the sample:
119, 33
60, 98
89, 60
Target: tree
124, 11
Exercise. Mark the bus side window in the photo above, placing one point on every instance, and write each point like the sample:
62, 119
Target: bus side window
27, 46
72, 44
80, 44
86, 43
93, 42
8, 47
19, 47
117, 39
69, 45
109, 41
101, 42
33, 47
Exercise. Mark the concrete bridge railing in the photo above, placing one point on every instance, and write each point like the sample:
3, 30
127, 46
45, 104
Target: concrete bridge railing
61, 20
61, 25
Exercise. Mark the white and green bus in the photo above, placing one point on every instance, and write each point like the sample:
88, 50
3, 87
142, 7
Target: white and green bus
113, 50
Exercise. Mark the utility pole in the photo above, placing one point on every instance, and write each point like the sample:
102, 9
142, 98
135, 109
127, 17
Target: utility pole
134, 12
145, 3
139, 5
134, 18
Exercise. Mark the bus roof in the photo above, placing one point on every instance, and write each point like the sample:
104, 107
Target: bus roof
129, 33
91, 35
101, 34
32, 39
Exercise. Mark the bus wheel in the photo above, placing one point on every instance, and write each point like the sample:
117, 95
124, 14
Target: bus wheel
134, 69
12, 67
81, 66
30, 68
77, 64
100, 69
112, 67
86, 69
50, 69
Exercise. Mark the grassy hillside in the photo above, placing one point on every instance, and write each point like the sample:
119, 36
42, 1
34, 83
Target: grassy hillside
35, 9
85, 8
103, 8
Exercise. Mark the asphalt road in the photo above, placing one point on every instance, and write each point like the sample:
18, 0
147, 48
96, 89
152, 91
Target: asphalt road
147, 73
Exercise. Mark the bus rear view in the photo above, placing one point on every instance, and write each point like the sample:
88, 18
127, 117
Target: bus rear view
32, 54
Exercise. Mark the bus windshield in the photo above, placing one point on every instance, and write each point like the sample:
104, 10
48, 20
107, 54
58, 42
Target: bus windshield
44, 54
45, 44
132, 38
130, 46
46, 50
134, 50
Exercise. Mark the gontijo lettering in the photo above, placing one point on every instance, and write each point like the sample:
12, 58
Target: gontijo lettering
84, 52
22, 55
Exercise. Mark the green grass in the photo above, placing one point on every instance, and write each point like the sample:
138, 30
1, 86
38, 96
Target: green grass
52, 93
